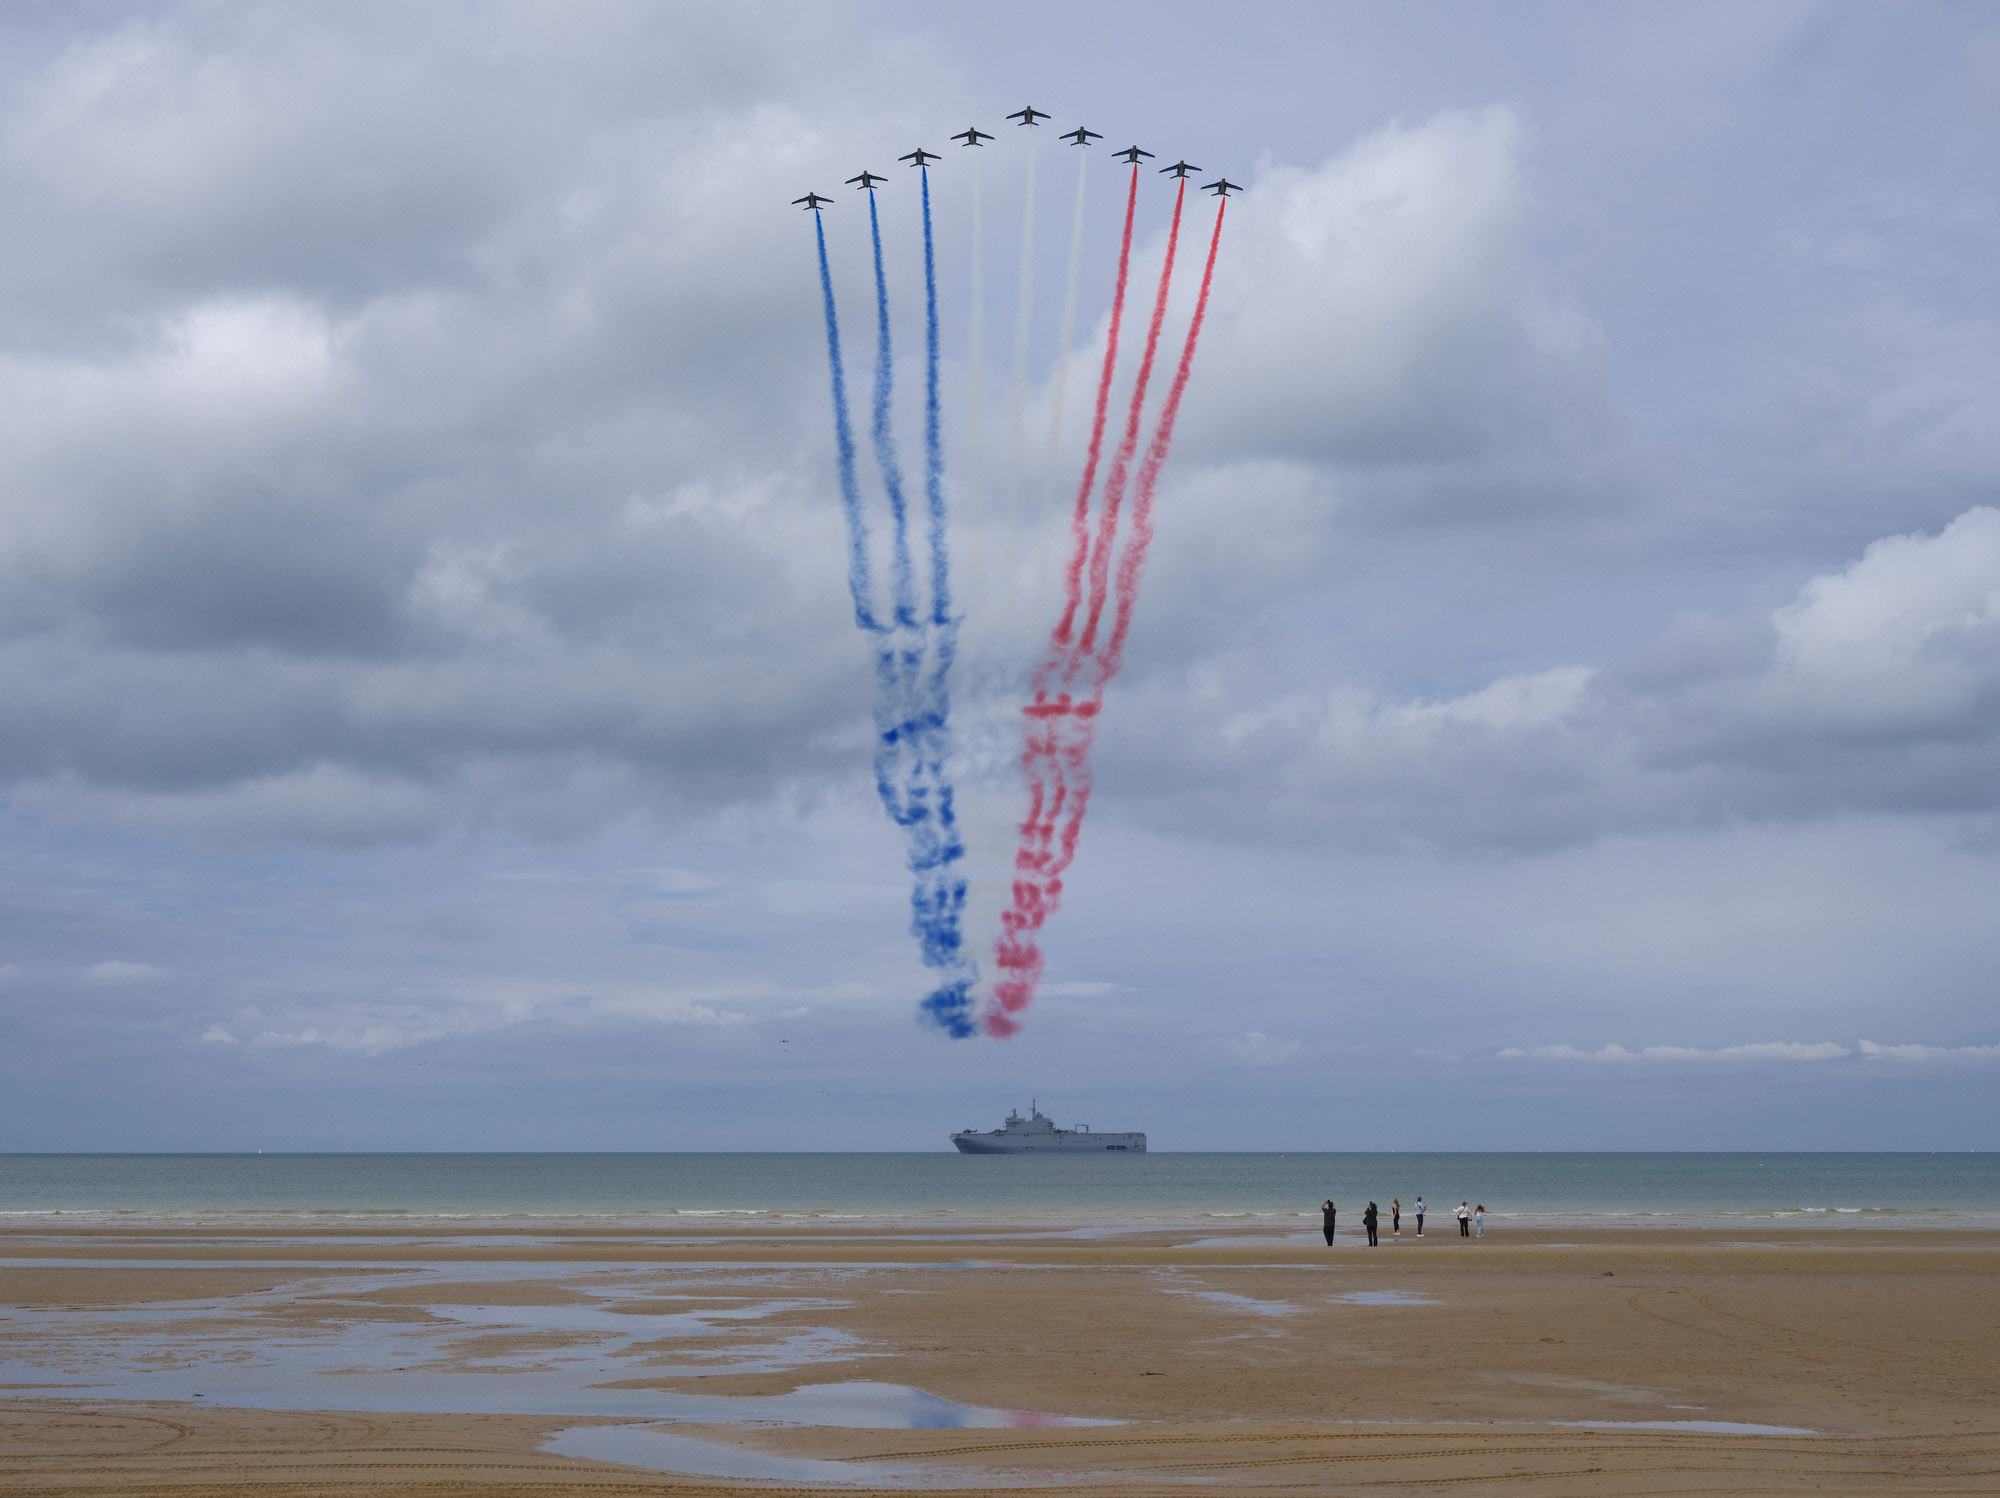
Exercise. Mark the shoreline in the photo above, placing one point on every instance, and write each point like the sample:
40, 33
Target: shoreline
1017, 1236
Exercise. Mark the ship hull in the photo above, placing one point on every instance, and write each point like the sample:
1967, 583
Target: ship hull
1055, 1142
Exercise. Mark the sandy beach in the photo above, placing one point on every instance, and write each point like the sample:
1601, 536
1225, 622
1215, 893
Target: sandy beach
1626, 1361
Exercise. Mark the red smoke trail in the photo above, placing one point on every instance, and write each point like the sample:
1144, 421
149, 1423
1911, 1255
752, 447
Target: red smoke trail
1133, 562
1060, 732
1080, 517
1121, 461
1041, 763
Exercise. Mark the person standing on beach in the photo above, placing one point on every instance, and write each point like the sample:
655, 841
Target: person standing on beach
1479, 1221
1396, 1215
1420, 1217
1327, 1213
1464, 1220
1368, 1220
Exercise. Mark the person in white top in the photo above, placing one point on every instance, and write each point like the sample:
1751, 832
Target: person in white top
1479, 1221
1464, 1220
1420, 1217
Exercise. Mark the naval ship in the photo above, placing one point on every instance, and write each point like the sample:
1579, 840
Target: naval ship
1036, 1134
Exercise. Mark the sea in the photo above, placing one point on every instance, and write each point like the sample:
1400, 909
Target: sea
937, 1192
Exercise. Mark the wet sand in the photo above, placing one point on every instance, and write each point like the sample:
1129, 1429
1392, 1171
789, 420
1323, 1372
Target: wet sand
1524, 1364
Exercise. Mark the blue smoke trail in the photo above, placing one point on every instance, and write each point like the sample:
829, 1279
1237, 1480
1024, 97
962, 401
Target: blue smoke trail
938, 901
884, 437
933, 427
858, 585
913, 659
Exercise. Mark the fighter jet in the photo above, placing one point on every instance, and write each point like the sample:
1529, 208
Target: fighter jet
866, 181
972, 135
1222, 188
1131, 154
920, 156
1030, 115
1080, 136
1180, 168
812, 202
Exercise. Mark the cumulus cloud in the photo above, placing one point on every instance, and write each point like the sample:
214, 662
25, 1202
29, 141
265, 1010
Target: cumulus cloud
389, 446
1875, 689
1375, 309
373, 1029
1870, 1051
1788, 1051
1824, 1050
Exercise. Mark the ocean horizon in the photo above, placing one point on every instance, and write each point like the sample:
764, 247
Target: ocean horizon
640, 1190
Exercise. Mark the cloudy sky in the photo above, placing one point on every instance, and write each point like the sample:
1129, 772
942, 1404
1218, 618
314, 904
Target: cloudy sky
1564, 711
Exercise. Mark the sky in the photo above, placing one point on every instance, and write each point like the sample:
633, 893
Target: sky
1563, 711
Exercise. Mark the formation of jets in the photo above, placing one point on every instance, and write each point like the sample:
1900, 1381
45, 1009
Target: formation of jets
972, 135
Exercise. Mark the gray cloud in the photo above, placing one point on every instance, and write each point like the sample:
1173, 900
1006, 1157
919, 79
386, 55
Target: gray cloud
1574, 597
1876, 689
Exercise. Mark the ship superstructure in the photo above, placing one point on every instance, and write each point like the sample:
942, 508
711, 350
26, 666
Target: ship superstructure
1037, 1134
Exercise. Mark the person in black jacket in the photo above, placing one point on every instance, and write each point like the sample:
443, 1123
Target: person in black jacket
1327, 1212
1368, 1220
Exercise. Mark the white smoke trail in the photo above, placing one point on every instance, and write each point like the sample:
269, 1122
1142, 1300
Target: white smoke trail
977, 578
1048, 520
976, 350
1024, 309
987, 715
1061, 392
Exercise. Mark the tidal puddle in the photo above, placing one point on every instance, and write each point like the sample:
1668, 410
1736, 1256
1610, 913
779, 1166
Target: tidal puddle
415, 1338
1248, 1240
664, 1451
864, 1406
1383, 1298
411, 1338
1702, 1427
1242, 1302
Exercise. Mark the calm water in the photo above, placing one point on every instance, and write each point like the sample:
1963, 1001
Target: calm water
930, 1191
